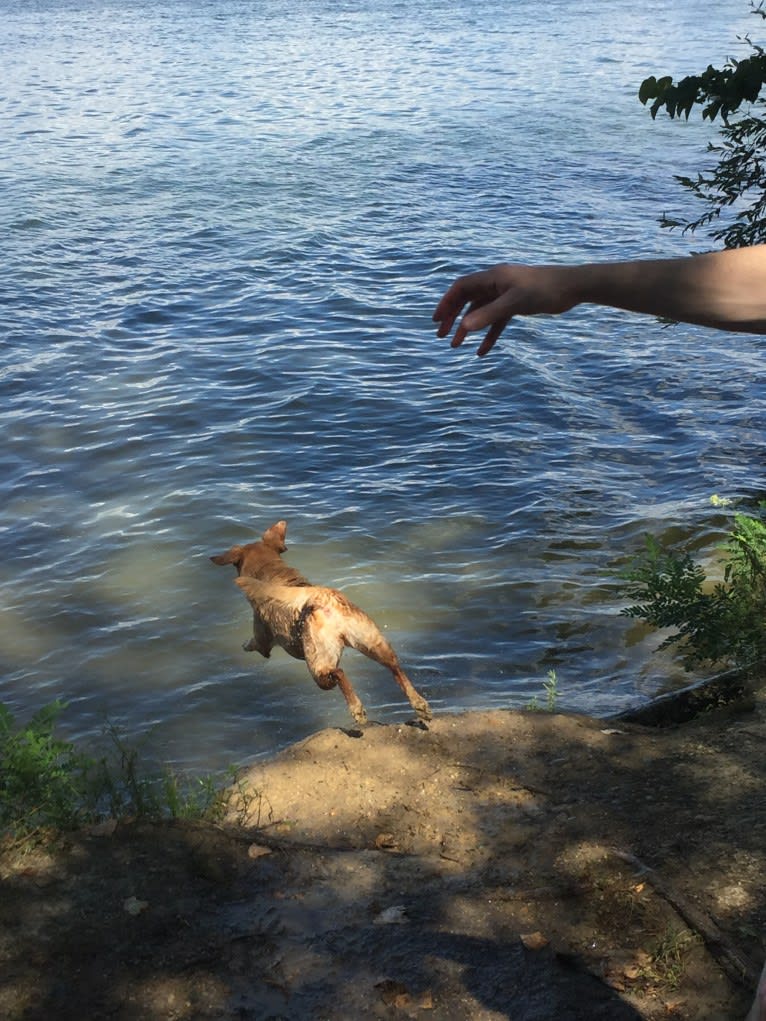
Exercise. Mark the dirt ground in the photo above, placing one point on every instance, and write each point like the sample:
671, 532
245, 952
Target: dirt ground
513, 865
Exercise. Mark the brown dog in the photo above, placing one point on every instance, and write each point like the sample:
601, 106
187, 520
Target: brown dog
309, 622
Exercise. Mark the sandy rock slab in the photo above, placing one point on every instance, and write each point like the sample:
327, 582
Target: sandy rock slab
499, 865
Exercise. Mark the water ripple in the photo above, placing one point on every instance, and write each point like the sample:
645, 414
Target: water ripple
226, 227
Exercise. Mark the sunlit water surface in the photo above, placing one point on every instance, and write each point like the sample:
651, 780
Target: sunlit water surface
225, 227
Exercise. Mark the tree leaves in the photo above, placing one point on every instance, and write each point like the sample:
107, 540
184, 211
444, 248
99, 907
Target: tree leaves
719, 92
720, 623
733, 192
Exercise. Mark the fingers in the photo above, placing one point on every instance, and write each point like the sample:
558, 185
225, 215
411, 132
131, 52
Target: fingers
477, 288
492, 334
496, 315
462, 330
483, 314
487, 343
450, 307
488, 308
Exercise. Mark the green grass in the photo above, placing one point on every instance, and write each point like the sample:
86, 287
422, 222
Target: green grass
551, 689
47, 783
669, 955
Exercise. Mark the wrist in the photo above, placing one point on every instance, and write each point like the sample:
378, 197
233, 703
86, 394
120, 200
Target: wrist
573, 285
601, 283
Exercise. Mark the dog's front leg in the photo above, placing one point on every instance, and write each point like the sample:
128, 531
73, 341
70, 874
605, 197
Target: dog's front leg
262, 640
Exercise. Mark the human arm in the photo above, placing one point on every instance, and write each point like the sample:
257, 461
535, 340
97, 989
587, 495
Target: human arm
723, 290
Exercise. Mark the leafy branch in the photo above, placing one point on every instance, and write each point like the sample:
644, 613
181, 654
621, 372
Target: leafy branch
719, 92
722, 622
736, 185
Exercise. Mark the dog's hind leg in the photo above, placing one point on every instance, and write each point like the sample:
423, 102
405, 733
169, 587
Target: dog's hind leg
415, 699
367, 639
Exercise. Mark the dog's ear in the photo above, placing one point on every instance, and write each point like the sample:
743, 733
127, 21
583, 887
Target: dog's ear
231, 556
275, 536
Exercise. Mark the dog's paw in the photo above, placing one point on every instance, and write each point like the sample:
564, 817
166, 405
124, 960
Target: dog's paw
423, 709
252, 646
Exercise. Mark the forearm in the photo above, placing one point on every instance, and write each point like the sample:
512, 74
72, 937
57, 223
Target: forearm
725, 289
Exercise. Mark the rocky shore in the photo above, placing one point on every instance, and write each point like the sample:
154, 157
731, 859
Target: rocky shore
497, 865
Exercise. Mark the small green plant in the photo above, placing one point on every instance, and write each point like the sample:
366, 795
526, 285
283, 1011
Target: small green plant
721, 622
247, 805
668, 956
197, 799
123, 788
551, 688
46, 783
41, 777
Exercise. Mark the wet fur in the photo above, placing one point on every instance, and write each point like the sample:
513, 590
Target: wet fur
309, 622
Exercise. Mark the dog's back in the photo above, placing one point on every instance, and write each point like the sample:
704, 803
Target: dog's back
286, 609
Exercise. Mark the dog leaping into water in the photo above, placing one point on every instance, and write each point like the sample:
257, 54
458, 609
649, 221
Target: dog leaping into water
310, 622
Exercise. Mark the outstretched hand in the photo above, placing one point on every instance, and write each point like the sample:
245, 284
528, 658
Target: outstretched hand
496, 295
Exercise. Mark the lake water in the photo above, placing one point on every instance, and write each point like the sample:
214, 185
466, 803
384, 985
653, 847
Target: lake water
225, 227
